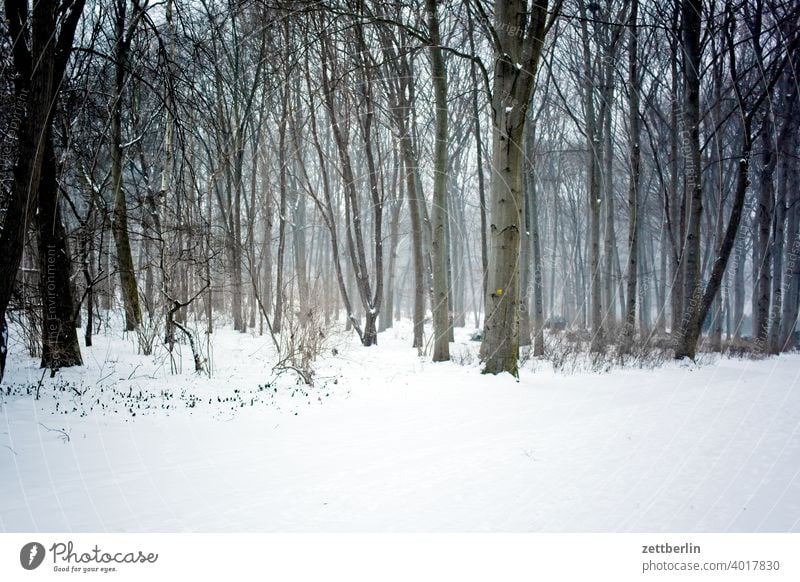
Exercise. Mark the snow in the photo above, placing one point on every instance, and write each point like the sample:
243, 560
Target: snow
388, 441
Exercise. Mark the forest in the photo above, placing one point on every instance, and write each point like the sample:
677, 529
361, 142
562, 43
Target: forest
623, 171
413, 265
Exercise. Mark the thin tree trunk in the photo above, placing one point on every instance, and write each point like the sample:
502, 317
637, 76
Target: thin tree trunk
762, 267
692, 11
594, 188
476, 119
386, 319
688, 345
127, 275
676, 208
277, 320
610, 241
538, 284
791, 293
738, 289
633, 186
441, 312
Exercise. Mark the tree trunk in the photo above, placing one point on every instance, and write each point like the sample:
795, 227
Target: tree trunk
738, 289
692, 11
607, 180
717, 187
299, 213
441, 311
235, 214
277, 320
127, 275
441, 318
60, 347
779, 225
532, 330
538, 284
676, 209
512, 90
788, 146
478, 134
688, 345
762, 266
386, 319
634, 154
525, 251
594, 188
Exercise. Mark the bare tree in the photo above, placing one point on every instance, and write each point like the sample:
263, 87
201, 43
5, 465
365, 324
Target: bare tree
518, 36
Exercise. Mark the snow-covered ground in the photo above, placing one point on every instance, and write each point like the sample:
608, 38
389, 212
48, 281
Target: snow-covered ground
388, 441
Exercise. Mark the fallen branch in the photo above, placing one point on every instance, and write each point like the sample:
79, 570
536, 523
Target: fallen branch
63, 434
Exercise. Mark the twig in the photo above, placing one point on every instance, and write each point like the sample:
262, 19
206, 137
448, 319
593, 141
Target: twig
105, 377
62, 433
134, 371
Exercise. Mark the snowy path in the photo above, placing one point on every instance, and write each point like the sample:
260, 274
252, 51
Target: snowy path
405, 445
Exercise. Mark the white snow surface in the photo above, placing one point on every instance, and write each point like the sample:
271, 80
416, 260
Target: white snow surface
388, 441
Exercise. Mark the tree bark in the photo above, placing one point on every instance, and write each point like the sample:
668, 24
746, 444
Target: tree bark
515, 50
60, 346
119, 225
40, 59
594, 188
688, 345
691, 12
789, 184
762, 266
634, 153
277, 320
441, 312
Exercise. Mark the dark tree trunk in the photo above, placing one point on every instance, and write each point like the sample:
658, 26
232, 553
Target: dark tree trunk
277, 320
790, 184
60, 347
738, 289
441, 300
634, 154
777, 244
688, 346
40, 58
691, 14
762, 255
119, 226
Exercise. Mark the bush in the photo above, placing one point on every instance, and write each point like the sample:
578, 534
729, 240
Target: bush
302, 340
743, 347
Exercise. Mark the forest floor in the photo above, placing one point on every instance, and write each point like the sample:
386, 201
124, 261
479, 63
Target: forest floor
388, 441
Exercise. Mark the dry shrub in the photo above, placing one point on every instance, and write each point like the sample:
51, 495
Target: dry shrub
744, 347
570, 353
147, 332
463, 355
302, 340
